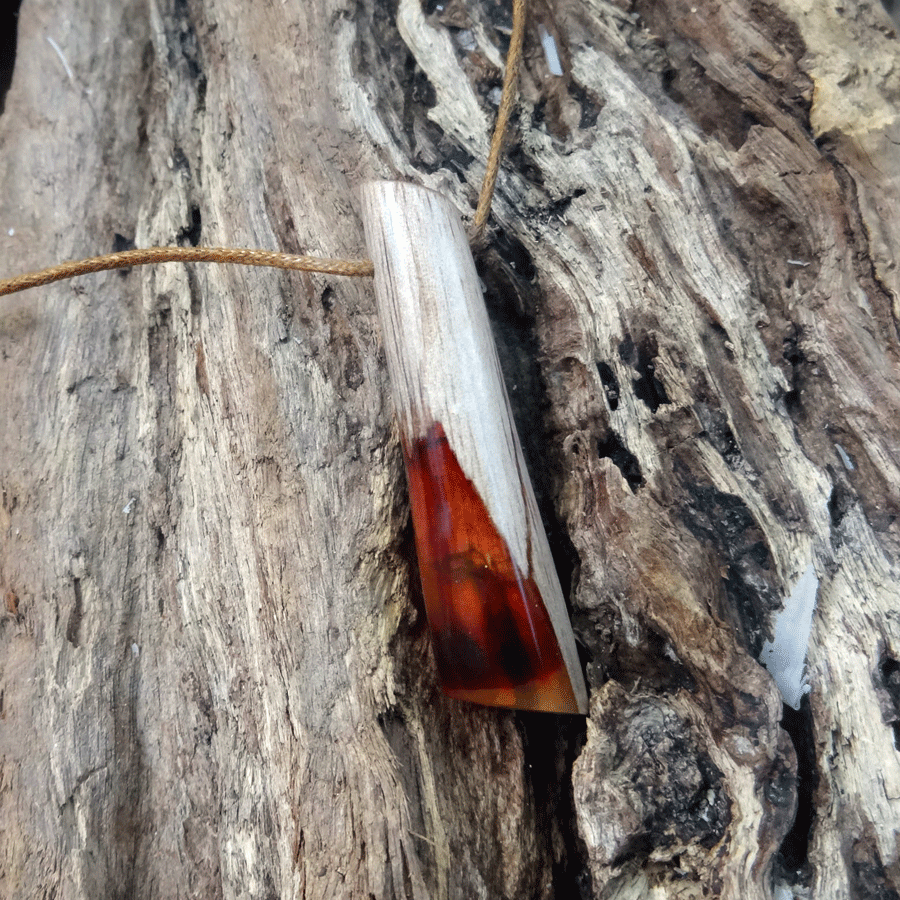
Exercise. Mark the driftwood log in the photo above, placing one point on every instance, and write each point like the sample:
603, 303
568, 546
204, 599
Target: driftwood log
215, 678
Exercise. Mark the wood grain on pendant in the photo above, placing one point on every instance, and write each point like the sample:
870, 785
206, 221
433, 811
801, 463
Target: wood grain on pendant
500, 628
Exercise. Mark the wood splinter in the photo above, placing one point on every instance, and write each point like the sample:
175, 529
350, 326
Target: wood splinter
500, 629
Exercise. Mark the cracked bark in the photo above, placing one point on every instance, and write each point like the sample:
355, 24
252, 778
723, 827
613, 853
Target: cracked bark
214, 670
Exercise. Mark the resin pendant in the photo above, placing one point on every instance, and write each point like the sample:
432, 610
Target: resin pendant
500, 630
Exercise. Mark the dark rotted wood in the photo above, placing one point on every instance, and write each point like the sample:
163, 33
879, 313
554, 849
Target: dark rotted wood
214, 671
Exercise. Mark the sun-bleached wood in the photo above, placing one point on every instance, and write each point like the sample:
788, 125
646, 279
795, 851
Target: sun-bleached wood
444, 368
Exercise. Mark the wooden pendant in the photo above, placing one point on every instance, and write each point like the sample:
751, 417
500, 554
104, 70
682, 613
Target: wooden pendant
498, 619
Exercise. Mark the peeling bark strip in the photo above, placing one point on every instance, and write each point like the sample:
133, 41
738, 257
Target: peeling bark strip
500, 628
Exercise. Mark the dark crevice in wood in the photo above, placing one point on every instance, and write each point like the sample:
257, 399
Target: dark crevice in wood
127, 834
794, 356
641, 356
839, 503
184, 48
195, 292
511, 297
191, 233
551, 745
589, 103
558, 208
724, 522
718, 432
869, 879
499, 16
513, 253
889, 670
892, 8
610, 384
779, 791
420, 91
518, 160
180, 163
565, 556
447, 155
794, 849
612, 448
122, 243
9, 31
201, 376
74, 624
279, 211
718, 111
887, 686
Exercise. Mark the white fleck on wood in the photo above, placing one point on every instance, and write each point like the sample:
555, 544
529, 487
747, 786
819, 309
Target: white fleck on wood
785, 657
444, 368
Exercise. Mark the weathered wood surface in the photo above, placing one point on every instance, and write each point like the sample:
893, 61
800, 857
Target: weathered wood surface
213, 667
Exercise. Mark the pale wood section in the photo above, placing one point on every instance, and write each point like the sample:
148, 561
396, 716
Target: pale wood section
444, 368
214, 673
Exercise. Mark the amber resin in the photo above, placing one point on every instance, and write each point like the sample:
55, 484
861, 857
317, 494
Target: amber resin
493, 640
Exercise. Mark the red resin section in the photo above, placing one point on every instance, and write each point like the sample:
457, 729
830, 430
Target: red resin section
493, 640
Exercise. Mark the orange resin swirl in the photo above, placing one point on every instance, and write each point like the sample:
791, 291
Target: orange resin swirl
493, 641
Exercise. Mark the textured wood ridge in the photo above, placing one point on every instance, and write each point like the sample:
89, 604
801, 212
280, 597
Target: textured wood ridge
214, 670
